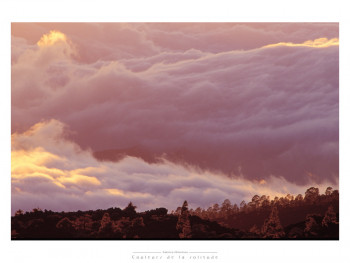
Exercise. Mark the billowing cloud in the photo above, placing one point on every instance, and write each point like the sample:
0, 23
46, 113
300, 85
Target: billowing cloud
51, 172
52, 38
116, 41
248, 101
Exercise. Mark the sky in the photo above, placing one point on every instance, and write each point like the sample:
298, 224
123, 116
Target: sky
156, 113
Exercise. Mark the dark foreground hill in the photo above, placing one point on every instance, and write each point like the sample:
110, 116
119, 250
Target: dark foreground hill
113, 223
311, 217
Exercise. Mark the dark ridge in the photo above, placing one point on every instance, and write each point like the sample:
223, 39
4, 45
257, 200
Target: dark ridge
311, 217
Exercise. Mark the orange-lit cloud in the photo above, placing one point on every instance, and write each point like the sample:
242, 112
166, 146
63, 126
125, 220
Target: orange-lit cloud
317, 43
262, 181
79, 179
52, 38
114, 191
37, 163
53, 47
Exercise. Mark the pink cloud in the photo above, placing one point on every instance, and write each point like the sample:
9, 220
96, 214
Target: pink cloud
207, 95
51, 172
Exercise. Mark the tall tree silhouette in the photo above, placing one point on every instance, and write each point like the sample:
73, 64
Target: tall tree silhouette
130, 211
183, 223
272, 227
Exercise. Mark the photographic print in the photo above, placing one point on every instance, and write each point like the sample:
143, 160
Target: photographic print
174, 131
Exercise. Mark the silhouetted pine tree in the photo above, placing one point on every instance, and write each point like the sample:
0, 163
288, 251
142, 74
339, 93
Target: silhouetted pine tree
272, 227
183, 223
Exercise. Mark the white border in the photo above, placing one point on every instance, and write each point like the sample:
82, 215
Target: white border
180, 10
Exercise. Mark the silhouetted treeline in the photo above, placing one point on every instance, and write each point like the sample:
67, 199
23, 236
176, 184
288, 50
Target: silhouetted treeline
312, 216
113, 223
292, 210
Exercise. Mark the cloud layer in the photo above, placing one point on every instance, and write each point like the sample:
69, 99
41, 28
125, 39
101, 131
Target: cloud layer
245, 101
51, 172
